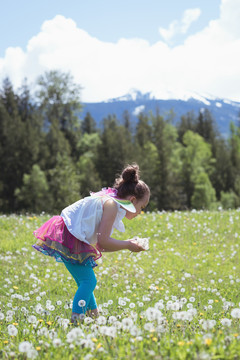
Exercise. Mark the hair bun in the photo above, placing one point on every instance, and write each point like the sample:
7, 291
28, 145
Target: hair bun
131, 174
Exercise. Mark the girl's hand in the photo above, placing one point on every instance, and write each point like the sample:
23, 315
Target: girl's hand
134, 247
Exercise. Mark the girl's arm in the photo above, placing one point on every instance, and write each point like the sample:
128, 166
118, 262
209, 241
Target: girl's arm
104, 240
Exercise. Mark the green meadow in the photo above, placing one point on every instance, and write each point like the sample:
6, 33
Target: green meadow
179, 300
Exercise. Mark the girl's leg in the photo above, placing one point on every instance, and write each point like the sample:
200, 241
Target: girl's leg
86, 281
92, 309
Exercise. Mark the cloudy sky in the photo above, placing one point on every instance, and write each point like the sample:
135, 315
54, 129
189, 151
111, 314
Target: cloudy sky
170, 48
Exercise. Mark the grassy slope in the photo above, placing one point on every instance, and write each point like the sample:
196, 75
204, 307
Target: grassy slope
192, 255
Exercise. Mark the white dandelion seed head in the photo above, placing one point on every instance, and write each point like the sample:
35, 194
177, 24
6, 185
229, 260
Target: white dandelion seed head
235, 313
12, 330
226, 322
32, 319
101, 320
24, 346
127, 323
82, 303
57, 342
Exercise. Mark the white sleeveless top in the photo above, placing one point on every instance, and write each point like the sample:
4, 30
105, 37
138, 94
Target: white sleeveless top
83, 217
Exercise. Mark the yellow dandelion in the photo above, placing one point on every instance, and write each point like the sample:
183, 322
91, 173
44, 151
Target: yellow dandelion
181, 343
179, 325
15, 287
40, 320
201, 314
38, 348
5, 342
94, 339
154, 339
236, 335
98, 346
194, 243
49, 322
216, 301
208, 341
16, 324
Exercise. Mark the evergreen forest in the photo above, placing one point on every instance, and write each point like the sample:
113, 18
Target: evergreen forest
51, 157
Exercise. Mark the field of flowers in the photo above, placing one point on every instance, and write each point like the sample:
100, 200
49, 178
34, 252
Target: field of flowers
179, 300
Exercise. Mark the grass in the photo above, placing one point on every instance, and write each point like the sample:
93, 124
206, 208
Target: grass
179, 300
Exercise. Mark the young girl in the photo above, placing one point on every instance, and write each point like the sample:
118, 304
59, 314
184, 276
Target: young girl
84, 229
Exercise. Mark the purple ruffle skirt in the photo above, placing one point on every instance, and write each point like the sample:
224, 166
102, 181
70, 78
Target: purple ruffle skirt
54, 239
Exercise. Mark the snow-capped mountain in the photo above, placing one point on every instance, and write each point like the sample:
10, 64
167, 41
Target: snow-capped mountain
224, 111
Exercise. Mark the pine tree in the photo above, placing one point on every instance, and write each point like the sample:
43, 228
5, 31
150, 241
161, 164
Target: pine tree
168, 163
88, 124
196, 161
59, 102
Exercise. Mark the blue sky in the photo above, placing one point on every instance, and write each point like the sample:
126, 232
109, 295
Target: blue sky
170, 48
108, 20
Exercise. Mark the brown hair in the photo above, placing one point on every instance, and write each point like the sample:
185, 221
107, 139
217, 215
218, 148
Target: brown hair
129, 183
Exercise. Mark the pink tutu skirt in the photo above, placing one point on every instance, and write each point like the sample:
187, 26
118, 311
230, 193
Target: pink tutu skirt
54, 239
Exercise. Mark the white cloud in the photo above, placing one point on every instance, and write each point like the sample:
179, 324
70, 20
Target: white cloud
180, 27
207, 62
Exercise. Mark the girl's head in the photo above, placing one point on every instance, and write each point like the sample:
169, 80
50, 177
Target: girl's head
129, 186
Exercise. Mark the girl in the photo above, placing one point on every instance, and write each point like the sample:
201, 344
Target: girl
84, 229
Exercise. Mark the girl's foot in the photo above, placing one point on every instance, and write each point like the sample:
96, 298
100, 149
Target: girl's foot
77, 318
93, 313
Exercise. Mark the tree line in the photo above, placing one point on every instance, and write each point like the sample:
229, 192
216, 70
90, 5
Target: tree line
50, 158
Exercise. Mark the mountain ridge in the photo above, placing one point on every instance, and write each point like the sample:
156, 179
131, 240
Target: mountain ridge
223, 111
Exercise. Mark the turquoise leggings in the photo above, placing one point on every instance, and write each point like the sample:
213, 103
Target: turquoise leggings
86, 282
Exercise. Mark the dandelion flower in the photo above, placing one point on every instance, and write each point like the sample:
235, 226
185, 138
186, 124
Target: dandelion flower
82, 303
57, 342
235, 313
25, 346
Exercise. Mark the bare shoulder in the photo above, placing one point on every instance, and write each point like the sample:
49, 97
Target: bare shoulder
109, 212
110, 205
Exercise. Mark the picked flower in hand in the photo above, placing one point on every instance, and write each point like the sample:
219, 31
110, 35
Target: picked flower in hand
143, 242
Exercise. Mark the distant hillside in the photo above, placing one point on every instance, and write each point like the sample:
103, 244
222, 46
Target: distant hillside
224, 111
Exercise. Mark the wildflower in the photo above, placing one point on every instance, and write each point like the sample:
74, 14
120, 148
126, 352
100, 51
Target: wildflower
24, 346
82, 303
181, 343
207, 324
32, 354
127, 323
57, 342
101, 320
226, 322
121, 302
235, 313
12, 330
32, 319
74, 334
208, 341
112, 319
